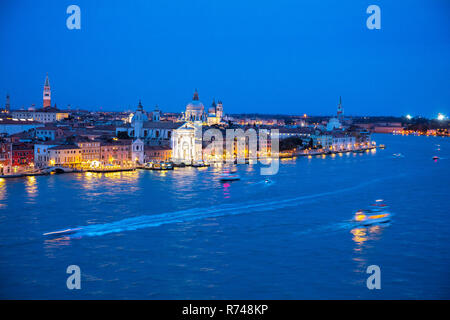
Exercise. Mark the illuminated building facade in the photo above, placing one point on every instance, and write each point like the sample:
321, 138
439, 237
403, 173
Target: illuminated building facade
5, 158
64, 155
22, 155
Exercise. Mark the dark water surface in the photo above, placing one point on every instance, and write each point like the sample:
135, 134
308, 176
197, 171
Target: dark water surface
185, 235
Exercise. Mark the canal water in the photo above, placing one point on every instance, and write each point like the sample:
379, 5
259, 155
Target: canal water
183, 234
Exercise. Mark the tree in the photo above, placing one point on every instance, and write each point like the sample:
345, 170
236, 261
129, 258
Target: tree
290, 143
123, 135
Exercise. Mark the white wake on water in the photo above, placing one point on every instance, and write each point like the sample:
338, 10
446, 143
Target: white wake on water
156, 220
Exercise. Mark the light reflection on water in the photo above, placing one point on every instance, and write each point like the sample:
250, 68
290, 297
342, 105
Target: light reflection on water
2, 192
31, 189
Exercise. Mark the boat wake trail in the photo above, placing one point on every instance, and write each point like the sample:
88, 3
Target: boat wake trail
156, 220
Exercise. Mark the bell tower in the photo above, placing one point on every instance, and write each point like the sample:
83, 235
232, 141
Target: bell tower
47, 94
340, 110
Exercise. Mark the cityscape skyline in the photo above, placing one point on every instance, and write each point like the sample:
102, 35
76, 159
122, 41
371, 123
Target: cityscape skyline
252, 65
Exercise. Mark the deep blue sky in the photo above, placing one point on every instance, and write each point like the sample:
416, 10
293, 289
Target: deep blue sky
280, 56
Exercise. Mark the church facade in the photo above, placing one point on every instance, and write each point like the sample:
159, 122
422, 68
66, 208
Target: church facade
184, 136
153, 131
187, 140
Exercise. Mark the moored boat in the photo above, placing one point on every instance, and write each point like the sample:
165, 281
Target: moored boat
227, 176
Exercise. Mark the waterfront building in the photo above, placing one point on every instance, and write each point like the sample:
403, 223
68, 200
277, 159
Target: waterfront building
336, 141
157, 153
343, 142
41, 153
116, 152
187, 143
23, 155
324, 140
187, 139
64, 155
137, 151
5, 158
90, 150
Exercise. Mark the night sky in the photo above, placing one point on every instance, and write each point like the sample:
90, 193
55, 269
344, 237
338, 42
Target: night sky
283, 56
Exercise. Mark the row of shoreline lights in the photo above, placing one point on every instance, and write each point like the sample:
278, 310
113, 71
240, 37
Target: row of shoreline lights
439, 117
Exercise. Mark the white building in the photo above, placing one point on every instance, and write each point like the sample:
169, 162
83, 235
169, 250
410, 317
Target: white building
187, 143
137, 151
10, 127
41, 154
333, 124
49, 133
215, 113
343, 142
46, 115
153, 132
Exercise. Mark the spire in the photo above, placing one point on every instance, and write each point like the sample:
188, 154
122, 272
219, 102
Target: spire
47, 84
140, 107
195, 98
340, 110
7, 105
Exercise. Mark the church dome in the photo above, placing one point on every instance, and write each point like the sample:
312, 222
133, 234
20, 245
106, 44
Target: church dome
195, 104
139, 115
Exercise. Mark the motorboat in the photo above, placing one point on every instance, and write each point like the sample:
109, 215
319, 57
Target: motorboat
382, 146
376, 214
227, 176
369, 217
200, 164
435, 158
148, 166
166, 166
62, 232
158, 166
397, 155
